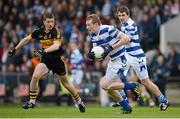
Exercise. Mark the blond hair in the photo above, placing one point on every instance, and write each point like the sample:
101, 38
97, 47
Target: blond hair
94, 18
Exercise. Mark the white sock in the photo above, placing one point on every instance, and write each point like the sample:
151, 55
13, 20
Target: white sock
32, 101
79, 101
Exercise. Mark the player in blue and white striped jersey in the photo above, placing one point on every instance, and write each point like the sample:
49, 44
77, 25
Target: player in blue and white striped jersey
136, 56
76, 65
112, 41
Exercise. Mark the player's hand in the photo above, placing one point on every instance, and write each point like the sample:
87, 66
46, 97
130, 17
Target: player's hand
107, 49
39, 53
91, 55
11, 52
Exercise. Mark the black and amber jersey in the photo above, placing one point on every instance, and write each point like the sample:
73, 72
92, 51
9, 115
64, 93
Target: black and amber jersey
47, 38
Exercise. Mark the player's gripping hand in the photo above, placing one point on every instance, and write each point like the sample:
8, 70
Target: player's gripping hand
107, 49
91, 55
39, 53
11, 52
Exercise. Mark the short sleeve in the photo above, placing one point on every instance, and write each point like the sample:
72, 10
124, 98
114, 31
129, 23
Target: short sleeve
131, 30
34, 34
56, 34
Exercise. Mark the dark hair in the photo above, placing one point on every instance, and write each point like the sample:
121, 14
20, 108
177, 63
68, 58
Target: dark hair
47, 15
123, 8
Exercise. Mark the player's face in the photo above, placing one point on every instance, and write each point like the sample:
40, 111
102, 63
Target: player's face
49, 23
91, 27
122, 17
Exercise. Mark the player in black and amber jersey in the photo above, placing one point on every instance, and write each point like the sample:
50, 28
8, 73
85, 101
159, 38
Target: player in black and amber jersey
51, 55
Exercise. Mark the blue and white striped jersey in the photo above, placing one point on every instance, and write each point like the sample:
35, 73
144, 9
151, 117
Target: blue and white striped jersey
108, 35
133, 48
76, 59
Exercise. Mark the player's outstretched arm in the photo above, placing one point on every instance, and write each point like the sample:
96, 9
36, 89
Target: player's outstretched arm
56, 41
23, 42
54, 47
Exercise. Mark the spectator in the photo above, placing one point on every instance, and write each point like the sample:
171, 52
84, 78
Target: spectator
160, 74
147, 29
174, 62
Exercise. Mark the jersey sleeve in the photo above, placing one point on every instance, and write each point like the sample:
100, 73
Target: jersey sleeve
131, 30
34, 34
114, 32
56, 34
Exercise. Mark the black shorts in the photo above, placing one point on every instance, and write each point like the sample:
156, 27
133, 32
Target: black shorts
55, 63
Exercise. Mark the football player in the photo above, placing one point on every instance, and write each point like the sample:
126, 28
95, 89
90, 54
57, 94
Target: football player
51, 56
136, 57
112, 41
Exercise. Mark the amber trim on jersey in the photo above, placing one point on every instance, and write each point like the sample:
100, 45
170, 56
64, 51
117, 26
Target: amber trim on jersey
58, 33
58, 41
30, 36
46, 43
65, 66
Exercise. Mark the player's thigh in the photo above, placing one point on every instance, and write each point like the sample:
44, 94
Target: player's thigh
109, 77
146, 82
64, 80
40, 70
104, 82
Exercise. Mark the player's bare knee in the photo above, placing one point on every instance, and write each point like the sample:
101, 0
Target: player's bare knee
109, 87
106, 87
104, 84
35, 77
145, 82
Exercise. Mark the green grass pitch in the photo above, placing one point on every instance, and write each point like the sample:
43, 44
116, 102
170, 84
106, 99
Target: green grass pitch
92, 111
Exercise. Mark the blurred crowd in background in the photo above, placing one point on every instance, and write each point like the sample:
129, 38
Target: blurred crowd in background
18, 18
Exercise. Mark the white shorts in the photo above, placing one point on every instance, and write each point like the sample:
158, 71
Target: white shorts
139, 66
77, 76
114, 68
